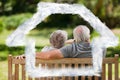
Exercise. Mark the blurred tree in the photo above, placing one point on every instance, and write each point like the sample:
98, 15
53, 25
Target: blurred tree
66, 1
17, 6
24, 6
98, 8
2, 6
109, 18
107, 10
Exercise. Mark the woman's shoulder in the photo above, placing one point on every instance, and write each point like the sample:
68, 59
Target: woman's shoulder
47, 48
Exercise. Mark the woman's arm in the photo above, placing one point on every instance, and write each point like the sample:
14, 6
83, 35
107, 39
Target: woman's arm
53, 54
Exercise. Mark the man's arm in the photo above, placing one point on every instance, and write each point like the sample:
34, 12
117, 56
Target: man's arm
69, 41
53, 54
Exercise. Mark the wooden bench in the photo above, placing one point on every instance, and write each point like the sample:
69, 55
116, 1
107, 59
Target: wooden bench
16, 68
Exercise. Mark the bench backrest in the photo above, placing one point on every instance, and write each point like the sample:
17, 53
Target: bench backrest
16, 68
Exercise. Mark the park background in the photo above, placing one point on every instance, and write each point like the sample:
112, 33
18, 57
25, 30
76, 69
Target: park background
14, 12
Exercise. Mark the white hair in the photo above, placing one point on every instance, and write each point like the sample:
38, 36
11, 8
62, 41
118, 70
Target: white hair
81, 33
58, 38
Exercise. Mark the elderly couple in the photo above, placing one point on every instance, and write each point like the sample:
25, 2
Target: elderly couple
79, 46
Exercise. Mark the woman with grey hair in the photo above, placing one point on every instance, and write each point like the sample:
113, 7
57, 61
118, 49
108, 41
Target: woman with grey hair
57, 40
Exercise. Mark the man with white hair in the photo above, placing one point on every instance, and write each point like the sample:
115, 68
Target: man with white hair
79, 48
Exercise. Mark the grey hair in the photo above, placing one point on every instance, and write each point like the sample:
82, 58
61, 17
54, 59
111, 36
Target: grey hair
58, 38
81, 33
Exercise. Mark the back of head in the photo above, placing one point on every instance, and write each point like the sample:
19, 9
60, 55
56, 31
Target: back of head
81, 33
58, 38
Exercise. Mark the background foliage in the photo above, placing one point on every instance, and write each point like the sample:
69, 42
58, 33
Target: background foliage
107, 10
15, 12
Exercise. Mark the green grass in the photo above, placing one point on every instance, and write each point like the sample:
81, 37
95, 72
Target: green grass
3, 70
4, 35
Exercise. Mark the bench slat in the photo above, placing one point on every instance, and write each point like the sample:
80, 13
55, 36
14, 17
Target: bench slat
96, 78
104, 71
23, 72
10, 68
83, 77
18, 61
56, 66
70, 66
89, 77
68, 61
16, 71
60, 61
29, 78
63, 66
110, 71
76, 66
116, 66
109, 60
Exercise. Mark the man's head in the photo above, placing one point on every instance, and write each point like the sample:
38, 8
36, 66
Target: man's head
58, 38
81, 33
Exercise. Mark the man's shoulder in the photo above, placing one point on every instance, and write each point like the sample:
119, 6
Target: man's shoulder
86, 44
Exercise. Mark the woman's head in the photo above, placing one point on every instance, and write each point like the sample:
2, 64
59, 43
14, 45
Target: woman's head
81, 33
58, 38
